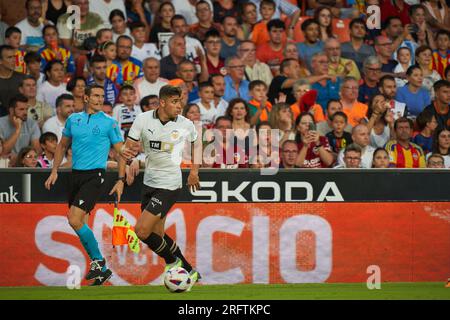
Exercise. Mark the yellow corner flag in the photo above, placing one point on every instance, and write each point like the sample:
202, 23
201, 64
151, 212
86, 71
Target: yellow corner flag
123, 232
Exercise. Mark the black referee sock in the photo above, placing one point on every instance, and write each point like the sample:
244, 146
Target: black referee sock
160, 247
177, 252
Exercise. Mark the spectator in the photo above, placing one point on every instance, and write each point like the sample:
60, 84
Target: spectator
427, 124
52, 51
151, 82
108, 49
126, 113
48, 141
64, 108
323, 15
254, 69
339, 138
137, 12
108, 108
53, 86
129, 69
402, 152
337, 8
440, 105
281, 6
258, 105
17, 131
32, 26
404, 62
235, 84
186, 71
441, 144
260, 34
33, 67
204, 17
424, 35
441, 55
12, 38
239, 113
271, 52
312, 43
141, 49
150, 102
355, 111
380, 159
381, 122
372, 74
37, 110
424, 59
281, 119
230, 42
27, 158
291, 52
190, 9
218, 83
399, 35
437, 15
384, 50
104, 8
314, 150
225, 8
289, 154
413, 94
361, 137
192, 112
179, 27
324, 127
435, 161
98, 77
249, 19
213, 45
165, 13
282, 84
102, 36
73, 39
306, 101
328, 87
356, 49
77, 86
397, 8
352, 157
206, 106
388, 88
177, 53
338, 66
9, 79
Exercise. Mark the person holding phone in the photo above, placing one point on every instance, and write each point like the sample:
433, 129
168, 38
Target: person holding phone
314, 149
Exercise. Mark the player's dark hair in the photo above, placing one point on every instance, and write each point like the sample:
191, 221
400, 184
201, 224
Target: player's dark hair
256, 83
168, 91
47, 136
17, 98
11, 30
61, 98
275, 23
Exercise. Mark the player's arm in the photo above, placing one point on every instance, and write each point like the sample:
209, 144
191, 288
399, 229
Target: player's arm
59, 156
193, 179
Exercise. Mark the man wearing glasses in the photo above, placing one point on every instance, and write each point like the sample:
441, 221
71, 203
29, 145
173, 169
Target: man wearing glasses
355, 111
372, 74
384, 49
254, 69
235, 84
352, 157
289, 153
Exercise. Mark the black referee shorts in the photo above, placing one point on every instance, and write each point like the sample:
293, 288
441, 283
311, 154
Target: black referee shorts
86, 186
158, 201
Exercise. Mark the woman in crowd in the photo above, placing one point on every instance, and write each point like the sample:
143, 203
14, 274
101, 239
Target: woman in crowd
437, 14
54, 85
424, 56
27, 158
291, 52
324, 16
380, 159
76, 86
119, 24
249, 18
413, 94
381, 121
109, 51
281, 118
162, 24
192, 112
441, 145
314, 150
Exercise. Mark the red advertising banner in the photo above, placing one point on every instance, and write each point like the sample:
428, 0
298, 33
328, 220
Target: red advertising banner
240, 243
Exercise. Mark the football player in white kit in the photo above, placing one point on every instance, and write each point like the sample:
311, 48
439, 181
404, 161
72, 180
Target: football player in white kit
163, 133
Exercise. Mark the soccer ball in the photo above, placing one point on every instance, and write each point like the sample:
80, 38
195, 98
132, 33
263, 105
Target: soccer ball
177, 280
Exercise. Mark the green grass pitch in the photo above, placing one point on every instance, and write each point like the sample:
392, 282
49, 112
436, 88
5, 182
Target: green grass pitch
330, 291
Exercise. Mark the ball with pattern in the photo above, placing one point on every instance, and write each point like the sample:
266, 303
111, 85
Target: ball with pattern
177, 280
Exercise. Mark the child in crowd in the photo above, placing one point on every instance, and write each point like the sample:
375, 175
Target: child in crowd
259, 106
48, 142
126, 113
441, 55
260, 34
404, 62
150, 102
208, 112
13, 35
427, 123
339, 138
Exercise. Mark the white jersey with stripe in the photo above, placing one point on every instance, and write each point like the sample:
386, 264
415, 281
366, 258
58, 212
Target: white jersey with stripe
163, 147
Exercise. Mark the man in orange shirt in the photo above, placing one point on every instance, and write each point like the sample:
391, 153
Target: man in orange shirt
355, 111
271, 52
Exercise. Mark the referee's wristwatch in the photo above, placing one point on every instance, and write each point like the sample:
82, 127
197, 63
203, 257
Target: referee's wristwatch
123, 179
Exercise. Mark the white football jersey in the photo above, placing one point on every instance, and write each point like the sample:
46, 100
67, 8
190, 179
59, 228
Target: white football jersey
163, 148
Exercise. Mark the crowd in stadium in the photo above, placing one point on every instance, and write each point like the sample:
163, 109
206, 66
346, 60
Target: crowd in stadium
338, 92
